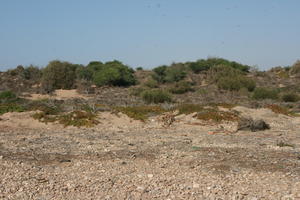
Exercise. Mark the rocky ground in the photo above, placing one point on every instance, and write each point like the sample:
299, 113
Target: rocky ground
125, 159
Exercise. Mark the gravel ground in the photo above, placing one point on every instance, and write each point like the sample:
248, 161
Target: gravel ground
134, 160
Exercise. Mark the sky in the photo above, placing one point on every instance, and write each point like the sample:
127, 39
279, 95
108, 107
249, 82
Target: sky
149, 33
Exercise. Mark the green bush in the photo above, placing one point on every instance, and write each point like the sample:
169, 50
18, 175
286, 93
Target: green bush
32, 73
202, 65
265, 93
236, 83
156, 96
151, 83
6, 96
115, 74
174, 73
159, 74
181, 88
139, 69
10, 107
290, 97
59, 75
136, 91
228, 78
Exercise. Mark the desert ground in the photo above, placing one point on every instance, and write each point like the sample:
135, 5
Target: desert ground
122, 158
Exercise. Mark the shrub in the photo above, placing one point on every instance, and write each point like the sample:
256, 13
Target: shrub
202, 65
189, 108
140, 112
48, 107
229, 83
59, 75
115, 74
151, 83
295, 68
10, 107
156, 96
32, 73
217, 116
265, 93
290, 97
136, 91
139, 69
78, 119
279, 109
170, 74
174, 74
181, 88
236, 83
228, 78
7, 96
159, 73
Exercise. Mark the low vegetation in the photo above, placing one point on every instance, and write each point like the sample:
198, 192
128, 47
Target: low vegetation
265, 93
141, 112
279, 109
290, 97
156, 96
181, 88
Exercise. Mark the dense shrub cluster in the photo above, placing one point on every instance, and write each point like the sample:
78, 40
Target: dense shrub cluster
59, 75
114, 73
265, 93
156, 96
203, 65
181, 87
170, 74
63, 75
228, 78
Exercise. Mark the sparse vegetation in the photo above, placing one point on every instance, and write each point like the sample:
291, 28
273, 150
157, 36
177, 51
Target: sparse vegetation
78, 118
10, 107
189, 108
279, 109
217, 115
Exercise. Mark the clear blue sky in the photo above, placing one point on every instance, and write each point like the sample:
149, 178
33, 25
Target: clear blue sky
149, 33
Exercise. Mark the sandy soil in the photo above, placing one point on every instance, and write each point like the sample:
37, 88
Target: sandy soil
58, 94
125, 159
